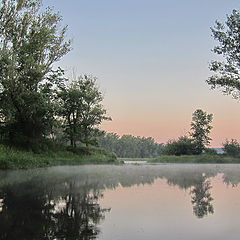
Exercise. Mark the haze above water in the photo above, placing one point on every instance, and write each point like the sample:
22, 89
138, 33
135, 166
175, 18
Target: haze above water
169, 202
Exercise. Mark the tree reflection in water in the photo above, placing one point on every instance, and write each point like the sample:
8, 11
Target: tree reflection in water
78, 215
45, 215
201, 198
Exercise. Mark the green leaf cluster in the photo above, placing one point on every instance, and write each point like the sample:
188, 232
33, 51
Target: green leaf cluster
226, 72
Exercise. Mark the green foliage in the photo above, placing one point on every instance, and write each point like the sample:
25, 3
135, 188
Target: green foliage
226, 73
232, 148
210, 151
30, 42
182, 146
12, 158
200, 129
129, 146
202, 158
81, 109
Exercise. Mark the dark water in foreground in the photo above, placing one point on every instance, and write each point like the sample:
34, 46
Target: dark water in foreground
151, 202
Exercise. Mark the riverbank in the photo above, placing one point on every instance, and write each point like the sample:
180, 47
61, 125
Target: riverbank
11, 158
203, 158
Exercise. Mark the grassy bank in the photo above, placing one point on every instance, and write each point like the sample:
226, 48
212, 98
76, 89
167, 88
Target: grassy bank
203, 158
11, 158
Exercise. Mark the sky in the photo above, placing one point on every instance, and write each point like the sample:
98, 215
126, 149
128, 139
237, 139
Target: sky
151, 59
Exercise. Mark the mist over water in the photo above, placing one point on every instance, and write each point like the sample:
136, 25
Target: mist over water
151, 202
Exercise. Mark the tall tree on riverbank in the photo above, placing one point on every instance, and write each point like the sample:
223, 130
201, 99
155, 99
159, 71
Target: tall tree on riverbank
227, 72
30, 42
200, 129
81, 109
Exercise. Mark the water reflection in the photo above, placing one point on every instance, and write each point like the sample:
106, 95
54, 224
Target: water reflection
30, 211
201, 198
64, 202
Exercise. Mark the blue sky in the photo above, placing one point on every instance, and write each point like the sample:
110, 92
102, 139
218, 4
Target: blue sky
151, 58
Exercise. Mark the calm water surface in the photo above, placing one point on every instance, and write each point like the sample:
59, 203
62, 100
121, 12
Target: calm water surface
147, 202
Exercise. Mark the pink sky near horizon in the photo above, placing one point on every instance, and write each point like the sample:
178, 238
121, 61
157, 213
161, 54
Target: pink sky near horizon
172, 123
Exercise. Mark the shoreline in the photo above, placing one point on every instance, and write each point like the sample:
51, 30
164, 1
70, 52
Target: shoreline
12, 159
199, 159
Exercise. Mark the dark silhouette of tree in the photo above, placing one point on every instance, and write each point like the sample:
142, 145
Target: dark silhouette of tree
201, 198
71, 213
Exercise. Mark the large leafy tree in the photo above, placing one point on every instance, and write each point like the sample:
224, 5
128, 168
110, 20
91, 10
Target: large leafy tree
200, 129
227, 72
81, 109
31, 40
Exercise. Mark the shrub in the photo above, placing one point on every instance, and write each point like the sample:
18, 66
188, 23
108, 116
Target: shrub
232, 148
210, 151
183, 146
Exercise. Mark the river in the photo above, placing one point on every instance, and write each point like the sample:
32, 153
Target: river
127, 202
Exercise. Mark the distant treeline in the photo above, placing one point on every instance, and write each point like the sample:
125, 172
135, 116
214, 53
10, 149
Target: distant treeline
128, 146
